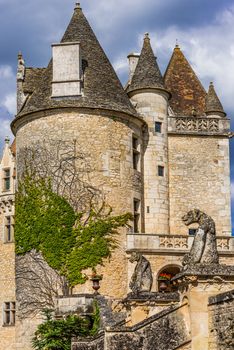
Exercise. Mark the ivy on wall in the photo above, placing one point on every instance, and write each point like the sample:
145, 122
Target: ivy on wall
68, 242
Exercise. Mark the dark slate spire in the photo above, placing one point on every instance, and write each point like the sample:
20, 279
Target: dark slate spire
188, 94
213, 104
147, 74
102, 88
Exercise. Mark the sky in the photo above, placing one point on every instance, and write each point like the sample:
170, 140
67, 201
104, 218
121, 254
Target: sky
204, 30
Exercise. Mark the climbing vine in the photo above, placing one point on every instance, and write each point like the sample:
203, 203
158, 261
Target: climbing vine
69, 242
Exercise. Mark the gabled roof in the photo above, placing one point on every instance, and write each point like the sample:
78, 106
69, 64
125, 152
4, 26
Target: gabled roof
147, 74
213, 104
188, 94
102, 88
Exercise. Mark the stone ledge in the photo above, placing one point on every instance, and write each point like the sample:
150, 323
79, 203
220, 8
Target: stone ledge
154, 296
221, 298
207, 271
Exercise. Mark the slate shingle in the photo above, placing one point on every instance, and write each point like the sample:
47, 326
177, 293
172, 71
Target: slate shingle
102, 88
147, 73
213, 103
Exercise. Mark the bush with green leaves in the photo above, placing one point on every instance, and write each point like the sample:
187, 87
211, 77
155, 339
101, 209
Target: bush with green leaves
55, 334
69, 244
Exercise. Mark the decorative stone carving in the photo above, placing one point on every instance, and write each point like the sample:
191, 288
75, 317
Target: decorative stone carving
204, 247
21, 67
173, 242
197, 124
142, 278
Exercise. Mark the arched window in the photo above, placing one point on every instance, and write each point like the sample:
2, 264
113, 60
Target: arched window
164, 278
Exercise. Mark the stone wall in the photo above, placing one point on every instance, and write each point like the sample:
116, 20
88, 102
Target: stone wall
221, 321
199, 177
168, 330
7, 251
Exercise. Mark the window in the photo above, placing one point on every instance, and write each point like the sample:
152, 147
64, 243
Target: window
9, 313
9, 229
160, 170
136, 208
136, 153
6, 179
192, 231
158, 127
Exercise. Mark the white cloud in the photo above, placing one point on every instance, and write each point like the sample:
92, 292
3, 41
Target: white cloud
4, 129
209, 49
6, 72
9, 102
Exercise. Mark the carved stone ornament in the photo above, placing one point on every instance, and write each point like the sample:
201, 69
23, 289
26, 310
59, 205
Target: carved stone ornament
142, 278
204, 247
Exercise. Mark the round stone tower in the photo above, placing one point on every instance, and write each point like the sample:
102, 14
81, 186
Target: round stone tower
76, 108
150, 98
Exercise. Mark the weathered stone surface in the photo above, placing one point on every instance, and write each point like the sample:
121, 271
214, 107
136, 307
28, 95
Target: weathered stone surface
221, 321
142, 278
164, 331
204, 247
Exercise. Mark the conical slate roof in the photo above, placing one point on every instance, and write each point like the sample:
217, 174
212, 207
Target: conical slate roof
147, 74
188, 94
213, 104
102, 88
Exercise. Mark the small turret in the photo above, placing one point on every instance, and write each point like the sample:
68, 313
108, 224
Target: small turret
147, 92
213, 104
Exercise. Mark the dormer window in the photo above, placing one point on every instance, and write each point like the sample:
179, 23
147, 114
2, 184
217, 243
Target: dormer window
6, 179
67, 70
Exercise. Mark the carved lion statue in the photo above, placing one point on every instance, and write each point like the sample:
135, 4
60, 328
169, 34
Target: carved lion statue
204, 247
142, 278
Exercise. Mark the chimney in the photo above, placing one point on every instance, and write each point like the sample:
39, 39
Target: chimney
133, 60
66, 70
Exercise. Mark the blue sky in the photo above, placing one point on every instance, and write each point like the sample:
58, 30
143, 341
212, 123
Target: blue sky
204, 30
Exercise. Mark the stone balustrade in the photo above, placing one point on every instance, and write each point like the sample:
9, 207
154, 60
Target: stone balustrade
179, 243
182, 124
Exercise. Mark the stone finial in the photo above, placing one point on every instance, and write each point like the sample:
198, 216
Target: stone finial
21, 67
213, 104
146, 37
77, 6
7, 139
177, 44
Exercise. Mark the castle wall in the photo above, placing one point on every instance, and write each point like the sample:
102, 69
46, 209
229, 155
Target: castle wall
106, 144
199, 177
153, 105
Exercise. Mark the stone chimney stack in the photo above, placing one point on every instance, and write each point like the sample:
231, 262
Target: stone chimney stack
133, 60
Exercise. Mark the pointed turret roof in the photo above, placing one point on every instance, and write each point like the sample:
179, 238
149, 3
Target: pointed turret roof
147, 74
188, 94
102, 88
213, 104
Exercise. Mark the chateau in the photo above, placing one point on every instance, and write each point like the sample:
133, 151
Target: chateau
159, 149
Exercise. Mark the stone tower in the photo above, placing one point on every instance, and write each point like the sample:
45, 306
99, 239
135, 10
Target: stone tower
148, 94
157, 149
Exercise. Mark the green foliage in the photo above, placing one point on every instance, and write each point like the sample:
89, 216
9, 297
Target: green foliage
95, 319
57, 334
44, 221
47, 223
95, 241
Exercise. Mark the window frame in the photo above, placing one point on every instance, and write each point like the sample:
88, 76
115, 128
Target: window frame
9, 311
6, 179
158, 124
161, 170
136, 215
135, 153
9, 228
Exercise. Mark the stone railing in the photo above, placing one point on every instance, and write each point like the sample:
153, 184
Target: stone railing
178, 243
198, 125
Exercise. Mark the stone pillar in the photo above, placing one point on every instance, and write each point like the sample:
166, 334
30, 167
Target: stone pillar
197, 285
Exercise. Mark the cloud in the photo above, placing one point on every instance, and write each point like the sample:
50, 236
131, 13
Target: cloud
9, 102
209, 49
5, 129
